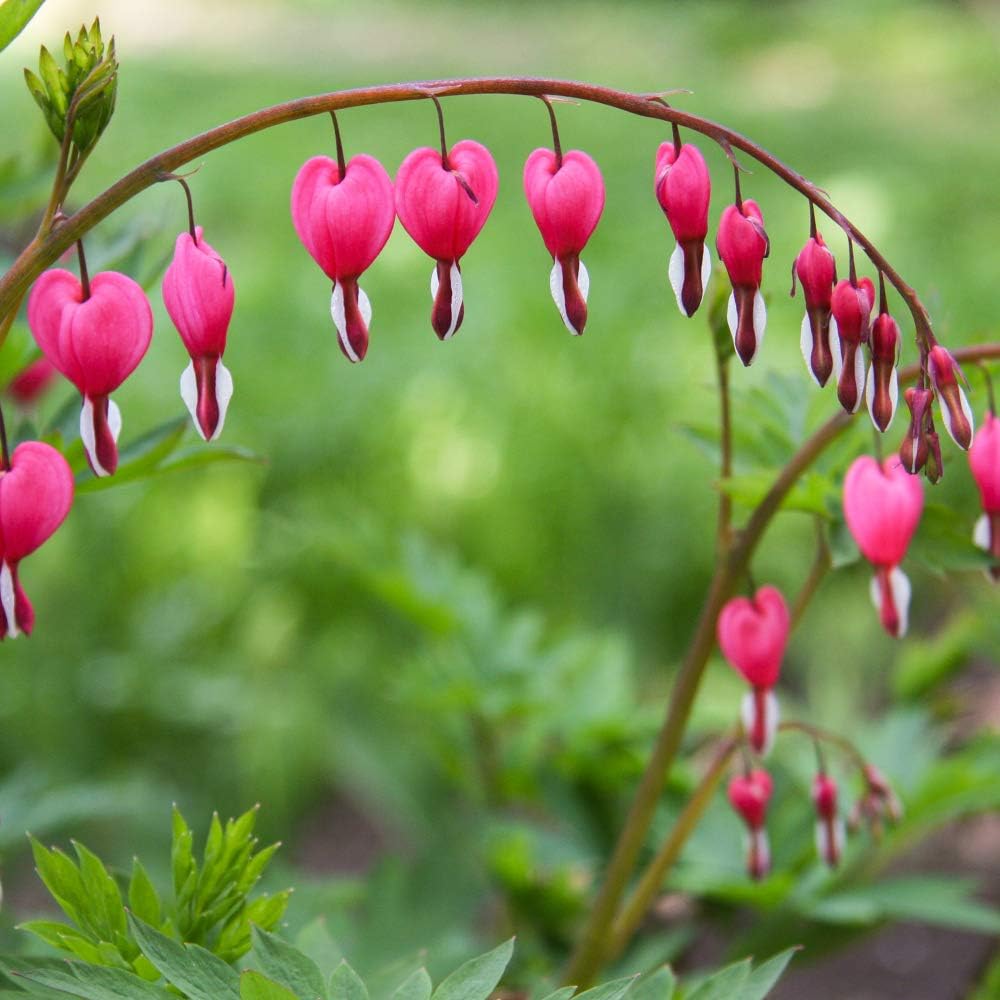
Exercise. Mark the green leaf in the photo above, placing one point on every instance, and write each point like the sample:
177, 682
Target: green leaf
52, 932
477, 978
141, 457
417, 986
614, 990
14, 17
143, 899
199, 973
814, 493
181, 851
763, 978
63, 880
104, 899
658, 985
92, 982
565, 993
286, 965
346, 984
317, 943
255, 986
724, 984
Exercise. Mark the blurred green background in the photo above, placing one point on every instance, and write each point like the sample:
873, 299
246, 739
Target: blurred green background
448, 602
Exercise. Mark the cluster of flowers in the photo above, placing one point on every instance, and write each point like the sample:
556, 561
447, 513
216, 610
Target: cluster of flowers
752, 634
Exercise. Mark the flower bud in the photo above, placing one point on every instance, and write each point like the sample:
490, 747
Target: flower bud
683, 189
566, 197
816, 270
36, 493
878, 802
443, 203
344, 221
96, 342
955, 410
913, 451
850, 306
883, 381
984, 461
742, 245
882, 507
829, 826
749, 795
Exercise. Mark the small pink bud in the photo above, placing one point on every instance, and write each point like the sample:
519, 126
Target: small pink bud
742, 245
829, 826
817, 271
753, 633
344, 222
851, 307
955, 410
96, 343
914, 450
882, 507
749, 795
984, 461
877, 802
36, 493
683, 189
443, 204
566, 200
30, 384
198, 293
883, 381
934, 468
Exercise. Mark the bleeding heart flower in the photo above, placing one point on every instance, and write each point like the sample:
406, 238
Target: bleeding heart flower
955, 410
753, 634
566, 196
683, 189
817, 271
830, 834
749, 795
882, 507
851, 307
96, 341
883, 380
198, 294
29, 384
915, 449
742, 244
36, 493
443, 202
344, 221
984, 461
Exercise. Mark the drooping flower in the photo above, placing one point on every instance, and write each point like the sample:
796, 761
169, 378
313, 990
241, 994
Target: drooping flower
198, 293
753, 634
883, 379
566, 196
817, 271
684, 188
984, 461
443, 202
851, 308
955, 410
915, 449
96, 341
877, 803
29, 384
829, 826
344, 221
882, 507
742, 244
36, 493
749, 795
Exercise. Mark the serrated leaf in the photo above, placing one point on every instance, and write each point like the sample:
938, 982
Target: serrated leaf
477, 978
418, 986
285, 964
256, 986
143, 899
14, 17
762, 979
346, 984
658, 985
613, 990
92, 982
726, 984
191, 968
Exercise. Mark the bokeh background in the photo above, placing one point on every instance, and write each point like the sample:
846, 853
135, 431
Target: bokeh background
442, 611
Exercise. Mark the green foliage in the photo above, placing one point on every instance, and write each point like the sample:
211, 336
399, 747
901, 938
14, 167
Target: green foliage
210, 905
14, 17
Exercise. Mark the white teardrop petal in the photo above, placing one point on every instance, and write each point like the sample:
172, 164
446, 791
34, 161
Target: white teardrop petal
189, 393
88, 436
899, 586
114, 420
838, 357
732, 317
434, 283
759, 319
748, 716
556, 288
869, 390
706, 268
946, 415
339, 315
806, 346
456, 300
676, 274
223, 394
583, 281
859, 378
893, 396
981, 533
364, 306
8, 600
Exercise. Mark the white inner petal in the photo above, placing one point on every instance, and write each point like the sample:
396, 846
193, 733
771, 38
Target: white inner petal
838, 357
189, 393
748, 715
732, 317
340, 320
806, 345
364, 306
676, 274
583, 281
7, 599
893, 396
859, 378
556, 288
223, 394
706, 268
823, 838
456, 299
899, 585
88, 435
759, 319
981, 533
